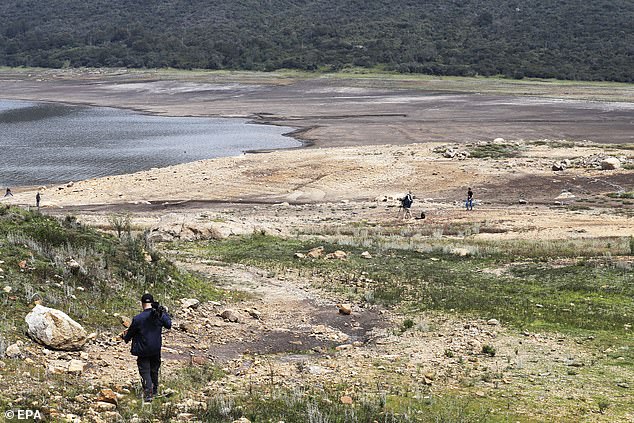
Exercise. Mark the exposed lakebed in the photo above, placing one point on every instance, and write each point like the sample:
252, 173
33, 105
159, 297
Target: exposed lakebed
47, 143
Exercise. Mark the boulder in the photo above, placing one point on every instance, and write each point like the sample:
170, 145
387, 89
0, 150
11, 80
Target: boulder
54, 329
610, 163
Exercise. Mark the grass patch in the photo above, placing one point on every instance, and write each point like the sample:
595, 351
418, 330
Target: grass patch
85, 273
628, 195
494, 151
569, 286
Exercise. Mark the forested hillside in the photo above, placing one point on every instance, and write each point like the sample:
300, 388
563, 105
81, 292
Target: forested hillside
566, 39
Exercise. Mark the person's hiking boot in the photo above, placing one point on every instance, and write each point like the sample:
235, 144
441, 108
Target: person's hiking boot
147, 398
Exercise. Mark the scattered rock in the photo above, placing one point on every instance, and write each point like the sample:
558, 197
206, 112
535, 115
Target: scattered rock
299, 255
66, 366
7, 289
338, 255
565, 195
254, 313
345, 309
346, 400
558, 166
55, 329
108, 395
76, 366
493, 322
125, 321
104, 406
610, 163
189, 303
366, 255
13, 350
316, 252
230, 316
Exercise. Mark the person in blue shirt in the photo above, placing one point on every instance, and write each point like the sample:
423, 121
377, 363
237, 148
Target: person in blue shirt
145, 332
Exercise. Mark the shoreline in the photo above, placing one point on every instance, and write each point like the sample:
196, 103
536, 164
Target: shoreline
257, 120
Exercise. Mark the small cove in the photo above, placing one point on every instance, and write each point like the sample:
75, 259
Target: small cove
51, 143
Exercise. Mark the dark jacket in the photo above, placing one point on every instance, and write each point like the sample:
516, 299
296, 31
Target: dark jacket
145, 333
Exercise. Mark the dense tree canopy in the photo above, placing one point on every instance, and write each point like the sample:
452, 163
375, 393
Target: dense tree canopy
566, 39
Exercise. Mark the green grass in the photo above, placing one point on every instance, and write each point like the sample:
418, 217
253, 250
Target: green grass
628, 195
494, 150
575, 287
113, 273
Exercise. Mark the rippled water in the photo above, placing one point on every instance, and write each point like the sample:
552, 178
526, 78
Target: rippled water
46, 143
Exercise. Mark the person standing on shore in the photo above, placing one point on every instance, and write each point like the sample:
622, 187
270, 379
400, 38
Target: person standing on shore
8, 193
145, 332
469, 202
406, 205
37, 200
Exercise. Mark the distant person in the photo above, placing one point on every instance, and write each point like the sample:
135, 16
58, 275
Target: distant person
145, 331
469, 202
8, 193
406, 205
38, 197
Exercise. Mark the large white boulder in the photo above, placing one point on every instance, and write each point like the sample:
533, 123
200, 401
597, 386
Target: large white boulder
610, 163
54, 329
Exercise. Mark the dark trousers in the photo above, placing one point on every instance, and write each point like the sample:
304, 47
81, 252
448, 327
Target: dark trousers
149, 371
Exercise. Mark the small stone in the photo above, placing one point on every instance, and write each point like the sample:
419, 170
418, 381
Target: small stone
7, 289
343, 347
316, 252
76, 366
190, 303
299, 255
493, 322
366, 255
104, 406
345, 309
108, 395
13, 350
346, 400
337, 255
230, 316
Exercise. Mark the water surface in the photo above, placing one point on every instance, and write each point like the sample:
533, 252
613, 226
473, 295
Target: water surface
49, 143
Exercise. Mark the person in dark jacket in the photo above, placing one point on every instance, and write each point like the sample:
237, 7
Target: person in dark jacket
145, 334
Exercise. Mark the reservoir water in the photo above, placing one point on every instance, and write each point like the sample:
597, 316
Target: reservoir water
50, 143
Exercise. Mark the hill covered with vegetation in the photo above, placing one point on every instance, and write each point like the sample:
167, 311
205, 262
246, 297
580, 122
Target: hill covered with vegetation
572, 39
